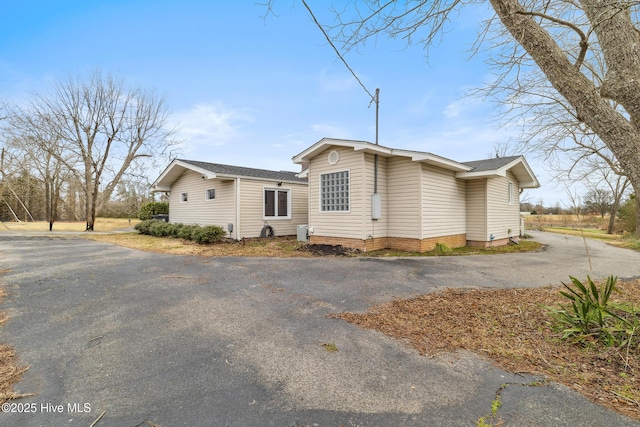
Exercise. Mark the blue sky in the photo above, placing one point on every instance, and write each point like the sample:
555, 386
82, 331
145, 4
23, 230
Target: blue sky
255, 92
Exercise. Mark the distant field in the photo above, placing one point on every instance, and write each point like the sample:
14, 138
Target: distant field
102, 224
571, 221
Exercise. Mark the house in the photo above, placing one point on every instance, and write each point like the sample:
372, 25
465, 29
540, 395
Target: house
369, 197
241, 200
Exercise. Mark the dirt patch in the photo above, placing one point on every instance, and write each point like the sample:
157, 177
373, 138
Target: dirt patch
327, 250
512, 327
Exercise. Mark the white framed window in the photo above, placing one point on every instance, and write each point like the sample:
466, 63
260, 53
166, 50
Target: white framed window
210, 194
184, 197
510, 193
334, 192
277, 203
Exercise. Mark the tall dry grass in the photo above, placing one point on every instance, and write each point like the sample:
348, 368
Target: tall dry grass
102, 224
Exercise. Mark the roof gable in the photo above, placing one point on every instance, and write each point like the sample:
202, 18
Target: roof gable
367, 147
217, 170
464, 170
499, 166
490, 164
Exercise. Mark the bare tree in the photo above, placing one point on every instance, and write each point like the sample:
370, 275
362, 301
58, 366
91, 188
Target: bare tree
558, 45
37, 151
606, 188
598, 201
103, 129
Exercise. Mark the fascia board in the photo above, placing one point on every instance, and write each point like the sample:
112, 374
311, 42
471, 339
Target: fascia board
482, 174
440, 161
256, 178
175, 169
310, 152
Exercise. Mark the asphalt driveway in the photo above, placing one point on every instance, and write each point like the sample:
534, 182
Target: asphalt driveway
187, 341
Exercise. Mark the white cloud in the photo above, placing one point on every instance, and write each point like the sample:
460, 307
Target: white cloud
452, 110
337, 82
211, 124
465, 106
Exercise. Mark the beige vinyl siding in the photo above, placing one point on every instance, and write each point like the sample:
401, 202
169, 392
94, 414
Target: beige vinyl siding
477, 210
444, 211
502, 215
403, 180
375, 228
252, 209
198, 210
337, 224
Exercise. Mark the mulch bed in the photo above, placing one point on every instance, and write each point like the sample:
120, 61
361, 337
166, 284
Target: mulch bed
327, 250
512, 327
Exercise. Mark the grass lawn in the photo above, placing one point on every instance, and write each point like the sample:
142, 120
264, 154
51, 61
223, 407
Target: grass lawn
622, 241
102, 224
593, 233
282, 247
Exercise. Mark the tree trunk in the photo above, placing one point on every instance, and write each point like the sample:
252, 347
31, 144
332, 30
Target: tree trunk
619, 134
636, 188
612, 215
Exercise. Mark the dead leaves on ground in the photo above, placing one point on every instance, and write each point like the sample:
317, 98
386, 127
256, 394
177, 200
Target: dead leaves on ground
10, 371
512, 327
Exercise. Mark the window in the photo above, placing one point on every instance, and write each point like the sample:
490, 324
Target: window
276, 203
184, 197
510, 195
334, 191
210, 194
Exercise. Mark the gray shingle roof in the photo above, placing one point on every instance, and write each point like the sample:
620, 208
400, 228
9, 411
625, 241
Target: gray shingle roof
490, 164
248, 172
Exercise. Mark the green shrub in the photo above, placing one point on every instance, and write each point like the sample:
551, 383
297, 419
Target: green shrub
198, 234
442, 248
627, 215
207, 234
175, 229
148, 210
160, 228
144, 227
185, 231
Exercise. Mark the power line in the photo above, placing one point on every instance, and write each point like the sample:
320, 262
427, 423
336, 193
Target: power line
373, 98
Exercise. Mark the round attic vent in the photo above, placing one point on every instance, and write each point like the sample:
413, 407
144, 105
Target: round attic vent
334, 157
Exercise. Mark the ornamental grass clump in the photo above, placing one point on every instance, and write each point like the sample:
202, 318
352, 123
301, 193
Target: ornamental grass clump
593, 316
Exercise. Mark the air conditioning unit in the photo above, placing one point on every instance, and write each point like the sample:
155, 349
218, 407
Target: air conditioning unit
303, 233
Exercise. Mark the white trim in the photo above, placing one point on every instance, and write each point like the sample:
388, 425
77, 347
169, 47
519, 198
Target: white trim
276, 190
320, 191
206, 194
368, 147
184, 197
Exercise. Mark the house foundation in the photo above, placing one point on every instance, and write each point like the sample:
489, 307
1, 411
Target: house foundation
400, 243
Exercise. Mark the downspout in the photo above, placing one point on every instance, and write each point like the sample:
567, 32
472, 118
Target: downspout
237, 227
374, 197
